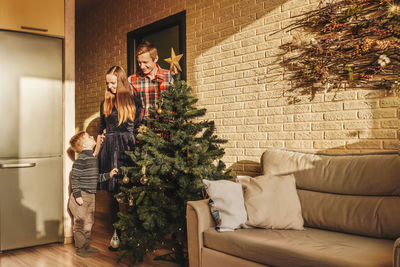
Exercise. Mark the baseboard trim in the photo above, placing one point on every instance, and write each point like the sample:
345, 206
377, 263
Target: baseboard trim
68, 239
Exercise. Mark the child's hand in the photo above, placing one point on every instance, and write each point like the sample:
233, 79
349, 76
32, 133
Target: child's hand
79, 200
99, 142
113, 172
100, 139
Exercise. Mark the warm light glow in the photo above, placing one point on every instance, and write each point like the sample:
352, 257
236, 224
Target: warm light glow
394, 9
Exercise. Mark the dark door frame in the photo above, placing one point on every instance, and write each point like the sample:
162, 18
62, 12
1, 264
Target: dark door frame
136, 36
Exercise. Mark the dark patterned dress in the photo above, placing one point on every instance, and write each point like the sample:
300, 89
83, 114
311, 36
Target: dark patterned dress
118, 139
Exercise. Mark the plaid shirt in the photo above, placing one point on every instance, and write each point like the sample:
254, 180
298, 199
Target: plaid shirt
149, 90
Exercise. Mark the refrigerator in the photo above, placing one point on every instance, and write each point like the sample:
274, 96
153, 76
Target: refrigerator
31, 139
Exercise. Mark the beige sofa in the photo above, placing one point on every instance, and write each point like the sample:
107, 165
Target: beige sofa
351, 210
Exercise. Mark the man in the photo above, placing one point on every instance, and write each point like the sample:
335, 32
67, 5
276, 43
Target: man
151, 80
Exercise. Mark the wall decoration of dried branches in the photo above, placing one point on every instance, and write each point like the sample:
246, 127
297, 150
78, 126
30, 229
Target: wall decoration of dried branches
346, 43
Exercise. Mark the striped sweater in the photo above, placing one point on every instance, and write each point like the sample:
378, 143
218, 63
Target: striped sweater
85, 174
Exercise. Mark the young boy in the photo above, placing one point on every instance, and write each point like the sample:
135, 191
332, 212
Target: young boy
85, 175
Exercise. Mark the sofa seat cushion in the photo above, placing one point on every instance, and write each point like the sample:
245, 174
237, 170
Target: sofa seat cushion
312, 247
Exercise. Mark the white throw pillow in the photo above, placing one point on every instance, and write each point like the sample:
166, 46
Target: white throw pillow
226, 204
272, 202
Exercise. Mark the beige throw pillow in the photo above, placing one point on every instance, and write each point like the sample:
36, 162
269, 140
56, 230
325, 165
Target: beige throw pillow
272, 202
226, 204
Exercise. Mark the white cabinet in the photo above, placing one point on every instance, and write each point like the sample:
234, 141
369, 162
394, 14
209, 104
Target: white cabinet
36, 16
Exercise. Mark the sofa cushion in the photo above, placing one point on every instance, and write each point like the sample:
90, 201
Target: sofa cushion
357, 193
312, 247
373, 174
376, 216
226, 204
272, 202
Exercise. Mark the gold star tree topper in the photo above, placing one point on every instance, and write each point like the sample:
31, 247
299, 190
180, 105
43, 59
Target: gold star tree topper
174, 61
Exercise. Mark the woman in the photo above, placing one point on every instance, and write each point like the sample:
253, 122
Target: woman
119, 118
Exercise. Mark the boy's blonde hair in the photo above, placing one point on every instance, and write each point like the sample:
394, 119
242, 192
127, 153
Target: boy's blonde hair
76, 141
145, 47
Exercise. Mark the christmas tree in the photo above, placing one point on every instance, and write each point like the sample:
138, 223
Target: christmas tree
175, 152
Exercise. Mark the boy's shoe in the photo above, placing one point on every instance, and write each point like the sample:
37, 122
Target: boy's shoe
83, 253
92, 249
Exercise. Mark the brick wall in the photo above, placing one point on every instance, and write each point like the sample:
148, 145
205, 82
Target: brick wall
233, 65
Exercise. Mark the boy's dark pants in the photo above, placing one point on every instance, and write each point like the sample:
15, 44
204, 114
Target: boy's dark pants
83, 219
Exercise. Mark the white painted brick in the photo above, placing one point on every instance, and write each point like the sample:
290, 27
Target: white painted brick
247, 144
272, 143
235, 106
246, 113
246, 66
298, 126
247, 129
378, 134
360, 124
255, 136
246, 82
225, 114
255, 120
270, 128
255, 104
280, 136
369, 104
314, 135
329, 144
340, 115
232, 91
233, 121
223, 85
253, 89
297, 144
270, 111
254, 152
246, 97
378, 113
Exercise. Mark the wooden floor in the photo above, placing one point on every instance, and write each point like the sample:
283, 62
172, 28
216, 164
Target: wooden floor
56, 255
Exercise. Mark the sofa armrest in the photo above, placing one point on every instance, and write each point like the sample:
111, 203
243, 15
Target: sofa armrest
199, 219
396, 253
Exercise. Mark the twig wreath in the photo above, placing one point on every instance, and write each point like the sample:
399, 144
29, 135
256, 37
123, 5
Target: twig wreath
346, 43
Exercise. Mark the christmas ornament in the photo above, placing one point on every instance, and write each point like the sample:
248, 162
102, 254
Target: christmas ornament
159, 110
131, 200
115, 240
126, 179
144, 180
174, 61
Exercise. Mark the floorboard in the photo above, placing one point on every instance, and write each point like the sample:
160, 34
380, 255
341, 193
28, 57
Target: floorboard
61, 255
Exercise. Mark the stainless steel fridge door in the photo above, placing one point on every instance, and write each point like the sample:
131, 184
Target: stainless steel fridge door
30, 95
31, 205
